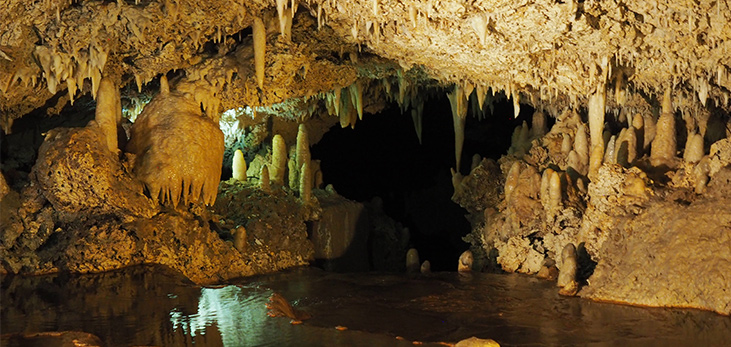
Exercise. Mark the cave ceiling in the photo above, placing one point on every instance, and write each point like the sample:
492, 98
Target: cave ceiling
540, 52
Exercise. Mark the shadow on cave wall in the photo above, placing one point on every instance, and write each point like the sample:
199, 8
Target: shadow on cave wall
382, 157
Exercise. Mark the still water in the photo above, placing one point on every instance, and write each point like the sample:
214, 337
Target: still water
151, 306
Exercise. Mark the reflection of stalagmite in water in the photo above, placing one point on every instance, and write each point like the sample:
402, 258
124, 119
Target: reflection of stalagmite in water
567, 273
279, 307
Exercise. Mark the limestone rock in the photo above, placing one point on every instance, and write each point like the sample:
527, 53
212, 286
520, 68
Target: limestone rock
80, 176
670, 255
517, 255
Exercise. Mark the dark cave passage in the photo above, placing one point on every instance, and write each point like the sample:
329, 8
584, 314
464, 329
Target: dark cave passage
382, 157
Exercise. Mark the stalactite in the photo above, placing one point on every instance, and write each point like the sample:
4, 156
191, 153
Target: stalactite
279, 160
458, 101
238, 166
259, 33
416, 117
356, 98
109, 112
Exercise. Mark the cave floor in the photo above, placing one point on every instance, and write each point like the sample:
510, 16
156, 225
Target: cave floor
152, 306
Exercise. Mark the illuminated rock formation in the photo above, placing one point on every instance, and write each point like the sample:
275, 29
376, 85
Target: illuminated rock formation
601, 69
178, 151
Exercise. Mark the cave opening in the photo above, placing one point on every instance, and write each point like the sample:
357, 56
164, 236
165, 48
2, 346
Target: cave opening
381, 157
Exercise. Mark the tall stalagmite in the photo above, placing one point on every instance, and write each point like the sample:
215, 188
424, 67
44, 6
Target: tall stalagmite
109, 112
279, 160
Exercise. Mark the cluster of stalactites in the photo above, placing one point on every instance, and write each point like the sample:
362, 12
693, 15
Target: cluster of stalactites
346, 103
72, 68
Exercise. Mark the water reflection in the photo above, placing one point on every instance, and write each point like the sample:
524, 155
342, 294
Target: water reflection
149, 306
237, 313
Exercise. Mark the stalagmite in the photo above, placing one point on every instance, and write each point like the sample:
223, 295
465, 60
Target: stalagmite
465, 262
239, 235
524, 137
305, 182
164, 86
476, 160
293, 170
610, 154
700, 174
626, 147
664, 145
574, 163
650, 129
595, 160
638, 123
511, 181
279, 160
581, 144
554, 196
238, 166
109, 112
425, 267
264, 178
545, 188
538, 127
597, 102
456, 183
693, 149
303, 146
260, 40
458, 101
412, 261
566, 145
